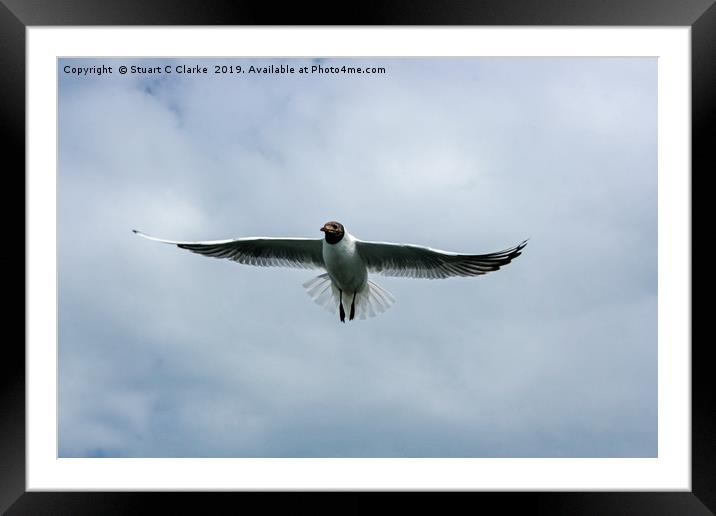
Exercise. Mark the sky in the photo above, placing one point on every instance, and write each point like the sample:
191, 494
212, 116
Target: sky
165, 353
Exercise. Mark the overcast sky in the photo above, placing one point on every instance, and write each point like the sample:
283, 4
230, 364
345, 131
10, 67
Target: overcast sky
164, 353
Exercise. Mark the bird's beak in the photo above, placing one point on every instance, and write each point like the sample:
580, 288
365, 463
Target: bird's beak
323, 229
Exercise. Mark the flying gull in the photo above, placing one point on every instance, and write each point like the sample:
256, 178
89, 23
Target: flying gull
347, 262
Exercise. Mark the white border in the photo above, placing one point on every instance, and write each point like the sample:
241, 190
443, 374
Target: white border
671, 470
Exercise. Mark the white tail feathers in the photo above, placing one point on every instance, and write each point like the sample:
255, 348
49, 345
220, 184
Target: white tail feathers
371, 301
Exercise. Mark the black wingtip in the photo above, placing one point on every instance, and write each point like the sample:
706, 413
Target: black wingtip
135, 231
517, 250
521, 246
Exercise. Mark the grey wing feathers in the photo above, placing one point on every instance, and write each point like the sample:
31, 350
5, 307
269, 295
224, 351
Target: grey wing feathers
302, 253
412, 261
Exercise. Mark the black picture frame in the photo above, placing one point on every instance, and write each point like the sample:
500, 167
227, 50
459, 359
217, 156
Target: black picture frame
16, 15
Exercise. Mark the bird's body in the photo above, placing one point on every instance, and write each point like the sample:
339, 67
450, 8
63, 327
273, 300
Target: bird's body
347, 261
344, 265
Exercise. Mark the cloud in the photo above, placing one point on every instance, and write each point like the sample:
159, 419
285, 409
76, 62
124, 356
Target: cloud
164, 353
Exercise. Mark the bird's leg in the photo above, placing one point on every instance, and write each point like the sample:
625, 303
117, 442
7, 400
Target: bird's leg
341, 310
353, 307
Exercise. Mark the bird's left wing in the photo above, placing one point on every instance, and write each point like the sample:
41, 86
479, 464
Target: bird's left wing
415, 261
302, 253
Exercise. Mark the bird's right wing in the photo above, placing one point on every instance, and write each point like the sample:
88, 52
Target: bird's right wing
302, 253
414, 261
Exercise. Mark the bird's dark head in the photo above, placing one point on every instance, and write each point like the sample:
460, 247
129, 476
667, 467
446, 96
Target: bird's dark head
334, 231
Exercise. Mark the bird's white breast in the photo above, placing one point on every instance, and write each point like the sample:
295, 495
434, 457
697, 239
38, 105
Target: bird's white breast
344, 265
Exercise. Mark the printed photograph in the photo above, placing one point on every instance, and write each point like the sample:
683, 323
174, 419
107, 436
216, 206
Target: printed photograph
357, 257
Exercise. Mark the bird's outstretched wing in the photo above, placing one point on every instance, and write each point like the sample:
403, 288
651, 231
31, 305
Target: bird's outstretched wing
413, 261
302, 253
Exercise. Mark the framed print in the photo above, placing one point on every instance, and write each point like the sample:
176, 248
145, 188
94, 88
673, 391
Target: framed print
559, 155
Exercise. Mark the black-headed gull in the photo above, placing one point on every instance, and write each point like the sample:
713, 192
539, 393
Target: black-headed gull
347, 261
